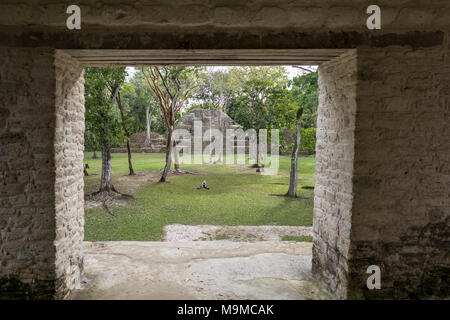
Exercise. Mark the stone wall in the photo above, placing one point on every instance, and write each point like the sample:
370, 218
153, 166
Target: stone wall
27, 178
69, 183
333, 195
209, 120
139, 143
401, 184
41, 158
382, 174
381, 198
206, 24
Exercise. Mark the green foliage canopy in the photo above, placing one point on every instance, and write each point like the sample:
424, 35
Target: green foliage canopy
255, 97
102, 120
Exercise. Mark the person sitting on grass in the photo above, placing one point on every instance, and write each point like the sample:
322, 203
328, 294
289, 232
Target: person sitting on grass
203, 186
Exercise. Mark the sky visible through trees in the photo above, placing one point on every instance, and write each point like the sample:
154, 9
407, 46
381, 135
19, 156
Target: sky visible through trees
291, 71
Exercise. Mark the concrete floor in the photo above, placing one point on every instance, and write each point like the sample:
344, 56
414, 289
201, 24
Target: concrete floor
197, 270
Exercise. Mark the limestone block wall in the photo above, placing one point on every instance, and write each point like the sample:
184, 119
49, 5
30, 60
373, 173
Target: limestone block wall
69, 183
401, 183
209, 120
27, 197
334, 171
206, 24
382, 175
382, 193
139, 143
37, 171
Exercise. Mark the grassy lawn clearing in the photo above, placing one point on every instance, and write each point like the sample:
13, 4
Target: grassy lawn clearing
237, 196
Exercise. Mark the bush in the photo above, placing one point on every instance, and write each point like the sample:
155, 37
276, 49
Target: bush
308, 139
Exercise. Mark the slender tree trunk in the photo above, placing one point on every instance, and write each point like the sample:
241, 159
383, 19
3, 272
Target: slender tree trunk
210, 136
106, 181
257, 149
130, 163
127, 134
148, 118
169, 135
256, 160
222, 130
294, 158
95, 156
169, 150
172, 146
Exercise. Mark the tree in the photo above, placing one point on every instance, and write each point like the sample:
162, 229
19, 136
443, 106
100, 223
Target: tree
141, 107
148, 125
137, 103
91, 141
114, 78
102, 86
261, 97
305, 94
172, 86
293, 177
127, 134
214, 92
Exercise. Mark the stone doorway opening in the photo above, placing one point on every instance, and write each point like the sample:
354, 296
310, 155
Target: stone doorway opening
335, 101
327, 107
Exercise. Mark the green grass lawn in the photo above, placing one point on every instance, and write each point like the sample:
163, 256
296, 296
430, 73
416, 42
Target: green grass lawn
237, 196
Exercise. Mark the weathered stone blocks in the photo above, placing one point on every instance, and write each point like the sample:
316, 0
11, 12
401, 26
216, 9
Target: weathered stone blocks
39, 166
394, 194
383, 153
333, 192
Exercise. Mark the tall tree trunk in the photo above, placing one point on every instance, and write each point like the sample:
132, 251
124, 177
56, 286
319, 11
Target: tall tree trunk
222, 130
94, 156
106, 181
127, 134
210, 136
256, 160
169, 135
294, 158
257, 149
169, 149
130, 163
148, 119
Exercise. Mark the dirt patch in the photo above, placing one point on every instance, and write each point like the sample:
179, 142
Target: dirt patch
129, 185
179, 232
103, 198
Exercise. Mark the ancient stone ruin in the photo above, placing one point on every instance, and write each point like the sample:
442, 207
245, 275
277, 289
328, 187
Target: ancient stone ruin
207, 119
382, 153
139, 143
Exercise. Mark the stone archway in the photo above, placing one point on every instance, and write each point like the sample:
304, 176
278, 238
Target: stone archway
370, 206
